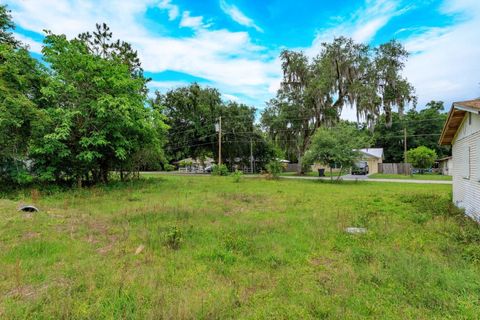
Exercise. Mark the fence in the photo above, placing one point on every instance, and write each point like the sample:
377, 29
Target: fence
395, 168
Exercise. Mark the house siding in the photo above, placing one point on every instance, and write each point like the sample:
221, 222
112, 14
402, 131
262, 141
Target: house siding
466, 166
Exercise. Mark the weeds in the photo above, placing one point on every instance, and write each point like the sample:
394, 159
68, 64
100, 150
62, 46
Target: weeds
173, 238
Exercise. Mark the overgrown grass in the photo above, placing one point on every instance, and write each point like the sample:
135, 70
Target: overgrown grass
206, 247
413, 176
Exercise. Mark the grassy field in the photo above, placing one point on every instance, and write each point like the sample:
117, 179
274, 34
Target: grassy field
208, 248
413, 177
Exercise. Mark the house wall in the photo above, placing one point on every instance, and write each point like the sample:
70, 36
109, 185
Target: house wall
446, 167
466, 166
373, 164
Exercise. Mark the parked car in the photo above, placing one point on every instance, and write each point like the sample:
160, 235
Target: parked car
361, 167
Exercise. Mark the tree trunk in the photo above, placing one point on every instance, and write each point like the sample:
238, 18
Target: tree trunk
79, 181
300, 165
331, 174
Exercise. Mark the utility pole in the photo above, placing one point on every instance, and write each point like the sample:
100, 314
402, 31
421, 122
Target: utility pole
251, 156
405, 149
219, 140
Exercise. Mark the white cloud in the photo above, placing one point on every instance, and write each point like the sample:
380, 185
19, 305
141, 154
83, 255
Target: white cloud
445, 61
33, 45
238, 16
191, 22
362, 25
230, 97
229, 60
173, 10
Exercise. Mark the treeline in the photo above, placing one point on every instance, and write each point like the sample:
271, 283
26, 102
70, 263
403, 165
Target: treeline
85, 111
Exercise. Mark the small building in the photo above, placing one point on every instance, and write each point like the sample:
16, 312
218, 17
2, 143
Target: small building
373, 156
462, 132
194, 165
445, 166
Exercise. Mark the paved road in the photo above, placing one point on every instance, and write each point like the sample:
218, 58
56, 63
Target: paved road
344, 178
363, 178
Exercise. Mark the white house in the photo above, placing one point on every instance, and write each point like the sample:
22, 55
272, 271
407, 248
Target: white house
462, 131
445, 166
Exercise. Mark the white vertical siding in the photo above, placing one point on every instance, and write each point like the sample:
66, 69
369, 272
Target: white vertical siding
466, 167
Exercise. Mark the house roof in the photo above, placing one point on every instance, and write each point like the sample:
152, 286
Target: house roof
455, 119
445, 159
373, 152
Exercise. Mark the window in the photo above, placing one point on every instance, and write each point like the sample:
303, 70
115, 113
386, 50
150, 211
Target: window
469, 118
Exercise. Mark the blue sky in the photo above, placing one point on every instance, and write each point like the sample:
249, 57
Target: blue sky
234, 45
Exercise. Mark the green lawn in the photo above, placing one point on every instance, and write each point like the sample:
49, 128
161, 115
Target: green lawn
258, 249
413, 177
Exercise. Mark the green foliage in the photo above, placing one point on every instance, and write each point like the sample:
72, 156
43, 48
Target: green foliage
421, 157
174, 238
21, 78
337, 146
422, 129
6, 25
314, 92
237, 176
220, 170
97, 120
168, 167
274, 168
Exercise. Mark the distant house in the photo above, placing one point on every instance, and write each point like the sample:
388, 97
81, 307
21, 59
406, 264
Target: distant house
373, 156
445, 166
194, 165
462, 131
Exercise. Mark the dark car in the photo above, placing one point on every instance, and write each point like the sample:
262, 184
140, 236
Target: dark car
361, 167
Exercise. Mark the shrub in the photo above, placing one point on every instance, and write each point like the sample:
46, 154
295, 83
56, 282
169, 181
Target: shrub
168, 167
274, 168
220, 170
237, 176
173, 238
421, 157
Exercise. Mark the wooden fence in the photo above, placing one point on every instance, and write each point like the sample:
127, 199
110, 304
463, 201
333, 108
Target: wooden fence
395, 168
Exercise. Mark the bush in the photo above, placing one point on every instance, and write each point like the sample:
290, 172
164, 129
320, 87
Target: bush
237, 176
168, 167
274, 168
421, 157
220, 170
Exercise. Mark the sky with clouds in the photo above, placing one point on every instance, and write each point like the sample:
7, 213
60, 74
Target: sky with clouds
234, 45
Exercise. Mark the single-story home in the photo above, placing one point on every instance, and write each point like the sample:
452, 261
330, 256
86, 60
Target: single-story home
462, 132
445, 166
373, 156
194, 165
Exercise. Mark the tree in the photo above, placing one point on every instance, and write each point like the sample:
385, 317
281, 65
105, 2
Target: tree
313, 93
423, 129
421, 157
337, 146
191, 112
21, 79
97, 120
6, 26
